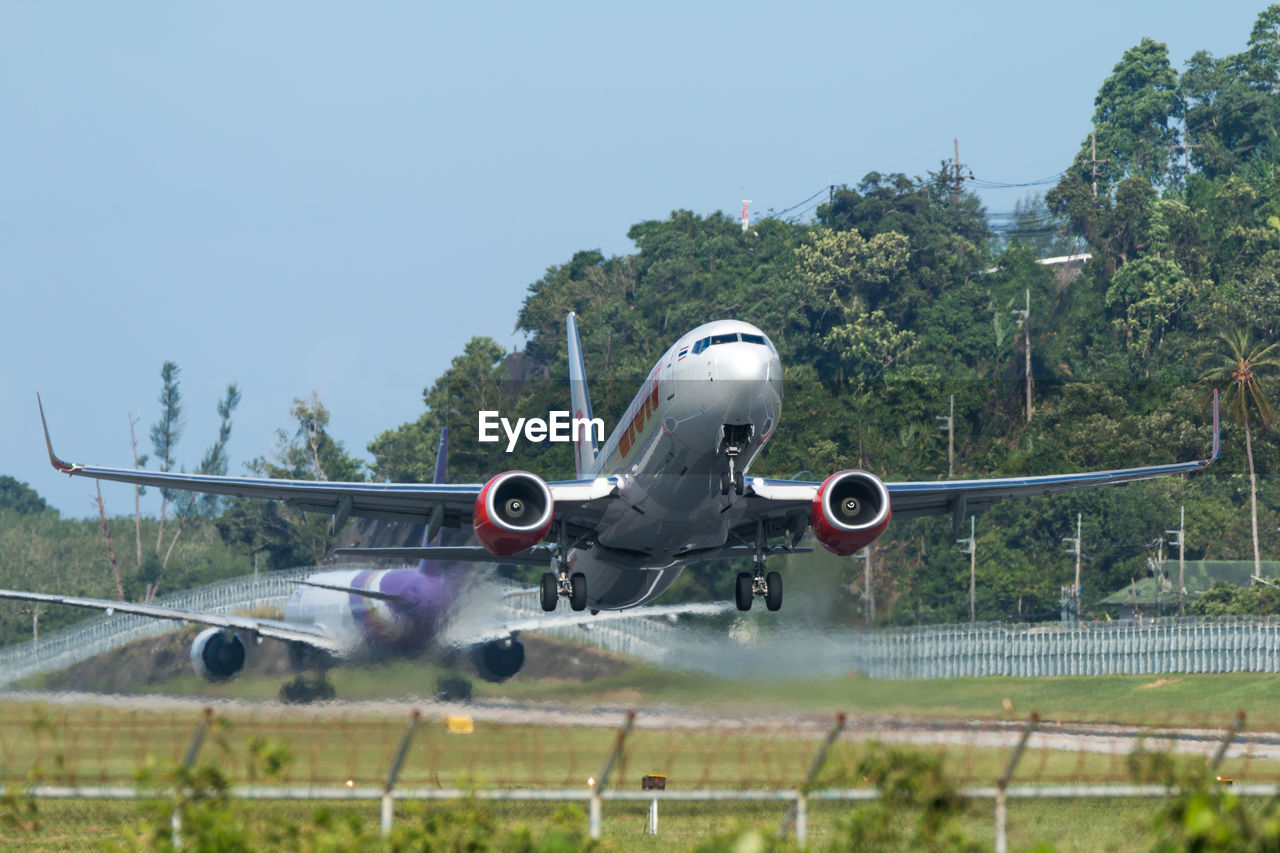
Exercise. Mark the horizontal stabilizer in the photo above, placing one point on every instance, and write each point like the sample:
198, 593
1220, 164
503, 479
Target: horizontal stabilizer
363, 593
461, 635
539, 555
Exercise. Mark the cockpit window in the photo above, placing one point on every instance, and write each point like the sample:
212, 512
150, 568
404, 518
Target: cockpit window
728, 338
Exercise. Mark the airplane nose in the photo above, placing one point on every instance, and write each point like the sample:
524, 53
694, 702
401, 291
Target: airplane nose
743, 362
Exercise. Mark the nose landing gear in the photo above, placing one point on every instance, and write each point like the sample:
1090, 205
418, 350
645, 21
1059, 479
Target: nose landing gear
736, 437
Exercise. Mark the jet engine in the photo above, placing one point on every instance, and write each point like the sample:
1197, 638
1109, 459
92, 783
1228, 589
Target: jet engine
513, 512
217, 655
849, 512
498, 660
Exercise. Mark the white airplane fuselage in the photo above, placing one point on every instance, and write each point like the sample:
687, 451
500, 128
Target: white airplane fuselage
668, 455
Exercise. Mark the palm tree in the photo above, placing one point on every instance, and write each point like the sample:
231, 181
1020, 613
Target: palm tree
1237, 364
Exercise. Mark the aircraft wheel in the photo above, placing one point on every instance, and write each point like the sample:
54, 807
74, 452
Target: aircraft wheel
773, 583
742, 591
550, 594
453, 688
578, 595
724, 484
739, 482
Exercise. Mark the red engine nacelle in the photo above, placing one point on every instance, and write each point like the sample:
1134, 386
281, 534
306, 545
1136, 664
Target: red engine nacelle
513, 512
849, 512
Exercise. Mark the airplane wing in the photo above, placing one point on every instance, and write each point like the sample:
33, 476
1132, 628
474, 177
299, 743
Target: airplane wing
539, 555
777, 502
464, 635
578, 502
271, 628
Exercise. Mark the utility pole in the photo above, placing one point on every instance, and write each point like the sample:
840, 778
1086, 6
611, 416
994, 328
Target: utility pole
970, 546
1024, 320
1159, 573
1094, 162
1185, 147
868, 591
1179, 539
1076, 547
960, 177
949, 424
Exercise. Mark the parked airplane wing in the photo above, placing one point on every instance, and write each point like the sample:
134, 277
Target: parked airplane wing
272, 628
468, 635
412, 502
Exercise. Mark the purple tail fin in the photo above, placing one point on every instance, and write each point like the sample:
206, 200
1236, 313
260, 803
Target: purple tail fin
431, 532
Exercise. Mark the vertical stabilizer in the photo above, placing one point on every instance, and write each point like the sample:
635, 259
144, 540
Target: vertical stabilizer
431, 531
584, 447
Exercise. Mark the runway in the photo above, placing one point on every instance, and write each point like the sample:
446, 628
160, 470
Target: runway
1098, 738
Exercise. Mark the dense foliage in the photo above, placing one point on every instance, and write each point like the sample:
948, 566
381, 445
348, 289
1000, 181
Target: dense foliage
899, 297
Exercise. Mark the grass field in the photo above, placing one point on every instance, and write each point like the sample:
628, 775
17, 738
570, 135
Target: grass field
82, 744
1177, 700
87, 745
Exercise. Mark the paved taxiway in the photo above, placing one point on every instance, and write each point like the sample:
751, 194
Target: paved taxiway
1102, 738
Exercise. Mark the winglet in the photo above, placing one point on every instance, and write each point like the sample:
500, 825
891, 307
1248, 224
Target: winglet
1217, 440
64, 467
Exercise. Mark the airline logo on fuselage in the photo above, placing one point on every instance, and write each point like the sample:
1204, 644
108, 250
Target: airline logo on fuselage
642, 409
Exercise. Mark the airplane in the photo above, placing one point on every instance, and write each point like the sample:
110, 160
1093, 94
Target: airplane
668, 488
362, 615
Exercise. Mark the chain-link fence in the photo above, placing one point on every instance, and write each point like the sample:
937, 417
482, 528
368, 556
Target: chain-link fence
797, 777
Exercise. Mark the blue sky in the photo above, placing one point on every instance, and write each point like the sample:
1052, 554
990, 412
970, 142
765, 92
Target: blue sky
335, 197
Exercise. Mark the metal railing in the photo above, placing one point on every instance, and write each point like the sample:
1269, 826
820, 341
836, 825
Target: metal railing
1094, 648
600, 789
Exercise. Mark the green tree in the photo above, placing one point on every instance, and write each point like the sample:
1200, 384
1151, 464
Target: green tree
17, 497
1241, 365
1134, 115
288, 536
166, 432
476, 380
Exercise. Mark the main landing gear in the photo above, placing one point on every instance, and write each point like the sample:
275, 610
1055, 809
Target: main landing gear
571, 586
767, 586
757, 582
561, 582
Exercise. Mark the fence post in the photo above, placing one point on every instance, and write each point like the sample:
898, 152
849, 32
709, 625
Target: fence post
598, 784
1002, 784
798, 813
393, 772
1234, 729
188, 761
